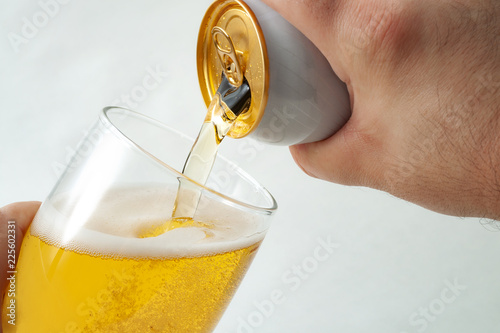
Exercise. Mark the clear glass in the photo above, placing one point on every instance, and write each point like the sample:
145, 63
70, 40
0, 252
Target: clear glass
89, 263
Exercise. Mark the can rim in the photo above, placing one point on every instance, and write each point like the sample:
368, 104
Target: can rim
207, 24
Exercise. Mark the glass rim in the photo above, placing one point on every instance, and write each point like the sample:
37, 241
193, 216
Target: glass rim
103, 116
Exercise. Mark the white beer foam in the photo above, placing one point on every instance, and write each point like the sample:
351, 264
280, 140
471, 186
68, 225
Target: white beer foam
112, 229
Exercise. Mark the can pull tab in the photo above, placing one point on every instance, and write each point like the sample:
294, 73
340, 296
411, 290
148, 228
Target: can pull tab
228, 56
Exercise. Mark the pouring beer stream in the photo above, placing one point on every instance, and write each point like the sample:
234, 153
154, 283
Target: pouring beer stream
232, 99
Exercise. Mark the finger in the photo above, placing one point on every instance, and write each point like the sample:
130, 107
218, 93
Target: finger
351, 157
19, 215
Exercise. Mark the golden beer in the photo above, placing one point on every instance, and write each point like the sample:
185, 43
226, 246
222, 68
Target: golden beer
126, 283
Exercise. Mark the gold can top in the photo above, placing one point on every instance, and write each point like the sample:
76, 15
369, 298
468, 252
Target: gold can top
234, 19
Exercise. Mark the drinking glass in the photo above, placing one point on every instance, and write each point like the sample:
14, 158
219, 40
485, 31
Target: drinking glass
102, 254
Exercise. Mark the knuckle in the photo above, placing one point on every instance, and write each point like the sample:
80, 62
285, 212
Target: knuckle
323, 9
374, 26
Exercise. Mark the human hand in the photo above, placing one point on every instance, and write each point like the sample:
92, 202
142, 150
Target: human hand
424, 80
22, 214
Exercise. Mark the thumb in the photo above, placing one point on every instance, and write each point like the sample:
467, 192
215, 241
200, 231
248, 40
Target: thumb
345, 158
15, 220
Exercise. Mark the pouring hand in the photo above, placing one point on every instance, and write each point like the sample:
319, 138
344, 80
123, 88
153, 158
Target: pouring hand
424, 82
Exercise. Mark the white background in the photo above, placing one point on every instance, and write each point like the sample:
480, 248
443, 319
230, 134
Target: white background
393, 260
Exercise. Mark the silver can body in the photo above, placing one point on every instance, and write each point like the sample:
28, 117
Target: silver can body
307, 102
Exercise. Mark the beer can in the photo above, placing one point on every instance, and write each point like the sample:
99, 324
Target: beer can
296, 96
